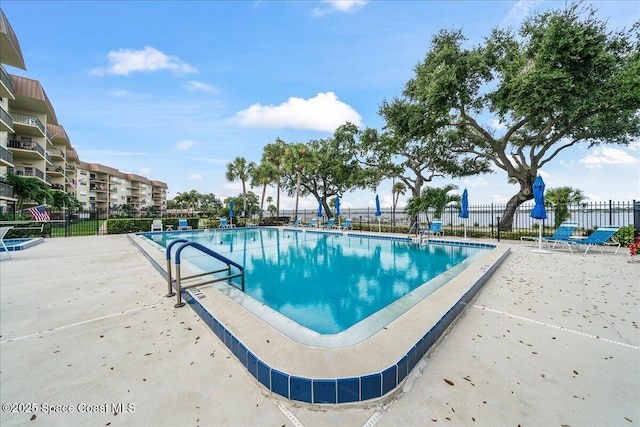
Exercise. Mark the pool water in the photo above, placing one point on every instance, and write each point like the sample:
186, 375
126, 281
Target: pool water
326, 282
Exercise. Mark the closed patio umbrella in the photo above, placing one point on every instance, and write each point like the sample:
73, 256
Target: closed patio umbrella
539, 212
378, 213
231, 212
338, 209
319, 211
464, 213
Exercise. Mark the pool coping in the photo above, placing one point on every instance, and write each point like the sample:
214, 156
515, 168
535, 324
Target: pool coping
25, 243
358, 373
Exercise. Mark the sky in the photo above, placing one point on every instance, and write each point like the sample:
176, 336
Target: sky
175, 90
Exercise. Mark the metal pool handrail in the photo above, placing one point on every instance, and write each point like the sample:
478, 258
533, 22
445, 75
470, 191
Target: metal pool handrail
170, 292
213, 254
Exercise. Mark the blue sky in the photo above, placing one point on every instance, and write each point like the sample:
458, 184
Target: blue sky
174, 90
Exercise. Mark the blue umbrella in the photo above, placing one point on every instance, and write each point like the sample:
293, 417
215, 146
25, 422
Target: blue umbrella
319, 208
230, 209
539, 211
337, 205
378, 213
464, 213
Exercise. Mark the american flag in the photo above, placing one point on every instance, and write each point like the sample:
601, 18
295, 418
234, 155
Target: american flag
39, 213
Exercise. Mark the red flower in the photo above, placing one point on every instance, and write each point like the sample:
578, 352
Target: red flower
634, 248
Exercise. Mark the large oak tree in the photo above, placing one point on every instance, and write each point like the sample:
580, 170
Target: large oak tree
563, 80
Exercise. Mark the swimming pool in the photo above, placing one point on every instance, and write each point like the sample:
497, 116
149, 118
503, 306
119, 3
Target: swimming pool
20, 244
327, 282
342, 369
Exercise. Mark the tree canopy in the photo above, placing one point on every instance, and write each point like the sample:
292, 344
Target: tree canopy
563, 80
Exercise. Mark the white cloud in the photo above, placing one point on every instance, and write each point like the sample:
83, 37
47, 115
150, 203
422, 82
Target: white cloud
497, 124
195, 86
195, 177
324, 112
607, 156
184, 145
339, 6
519, 12
126, 61
145, 171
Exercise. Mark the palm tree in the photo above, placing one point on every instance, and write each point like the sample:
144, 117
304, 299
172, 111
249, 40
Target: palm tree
274, 154
239, 169
25, 189
398, 189
433, 197
296, 157
561, 198
262, 175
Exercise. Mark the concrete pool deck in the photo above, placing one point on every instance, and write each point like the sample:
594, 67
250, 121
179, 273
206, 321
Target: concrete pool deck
550, 340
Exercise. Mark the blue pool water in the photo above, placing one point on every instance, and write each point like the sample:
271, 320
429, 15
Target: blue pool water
325, 282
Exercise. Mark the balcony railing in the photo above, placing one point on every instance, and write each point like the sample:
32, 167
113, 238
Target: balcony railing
27, 171
29, 120
26, 145
6, 190
57, 152
6, 155
6, 117
6, 81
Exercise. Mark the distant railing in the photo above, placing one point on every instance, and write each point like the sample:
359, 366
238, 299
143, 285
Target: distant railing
6, 155
6, 117
6, 80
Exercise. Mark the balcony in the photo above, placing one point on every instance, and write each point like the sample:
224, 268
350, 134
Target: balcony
6, 191
57, 153
27, 171
55, 170
31, 149
6, 157
29, 125
7, 90
6, 121
58, 187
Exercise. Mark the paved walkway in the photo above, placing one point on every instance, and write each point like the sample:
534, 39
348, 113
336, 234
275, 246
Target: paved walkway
85, 328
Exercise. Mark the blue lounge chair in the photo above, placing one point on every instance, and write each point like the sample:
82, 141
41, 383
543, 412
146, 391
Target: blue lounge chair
600, 237
562, 234
296, 223
435, 229
225, 224
183, 225
346, 225
312, 223
329, 223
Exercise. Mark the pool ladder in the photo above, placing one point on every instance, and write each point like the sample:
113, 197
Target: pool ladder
420, 237
179, 279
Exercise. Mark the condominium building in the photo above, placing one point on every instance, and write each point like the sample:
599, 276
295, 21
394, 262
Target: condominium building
34, 145
106, 188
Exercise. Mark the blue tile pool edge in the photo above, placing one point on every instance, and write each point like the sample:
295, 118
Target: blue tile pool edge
348, 389
24, 244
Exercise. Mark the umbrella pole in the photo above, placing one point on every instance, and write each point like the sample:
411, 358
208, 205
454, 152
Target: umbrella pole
540, 236
465, 230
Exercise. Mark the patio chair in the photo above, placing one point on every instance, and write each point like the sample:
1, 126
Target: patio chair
329, 223
3, 232
601, 237
156, 225
312, 223
562, 234
346, 225
225, 224
183, 225
296, 223
435, 229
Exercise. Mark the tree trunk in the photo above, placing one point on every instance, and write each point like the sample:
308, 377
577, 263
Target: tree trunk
506, 222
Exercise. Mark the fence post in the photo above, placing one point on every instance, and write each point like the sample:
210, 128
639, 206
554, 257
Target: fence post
636, 219
610, 213
498, 227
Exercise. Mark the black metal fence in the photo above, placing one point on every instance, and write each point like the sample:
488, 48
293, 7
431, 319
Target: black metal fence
482, 221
